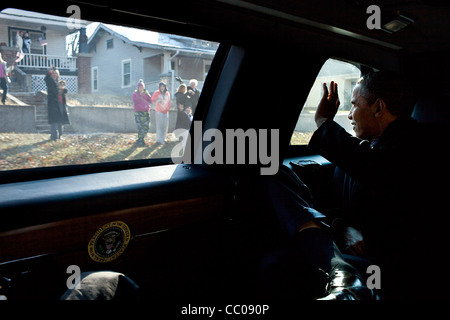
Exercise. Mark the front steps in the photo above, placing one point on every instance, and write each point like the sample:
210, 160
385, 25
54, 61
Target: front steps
39, 100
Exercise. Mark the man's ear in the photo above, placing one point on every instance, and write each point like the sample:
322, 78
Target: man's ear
380, 108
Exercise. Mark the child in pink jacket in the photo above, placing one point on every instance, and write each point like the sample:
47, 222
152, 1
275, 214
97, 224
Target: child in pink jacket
162, 99
141, 101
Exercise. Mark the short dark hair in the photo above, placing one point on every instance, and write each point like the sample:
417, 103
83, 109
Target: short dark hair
389, 86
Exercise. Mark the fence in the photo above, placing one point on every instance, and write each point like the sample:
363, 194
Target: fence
38, 83
39, 61
83, 119
20, 119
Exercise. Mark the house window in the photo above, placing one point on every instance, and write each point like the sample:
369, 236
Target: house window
95, 79
37, 39
126, 73
110, 44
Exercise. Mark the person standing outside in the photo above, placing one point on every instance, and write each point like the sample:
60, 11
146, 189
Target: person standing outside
26, 48
4, 80
62, 90
161, 98
184, 112
57, 116
194, 93
141, 101
19, 45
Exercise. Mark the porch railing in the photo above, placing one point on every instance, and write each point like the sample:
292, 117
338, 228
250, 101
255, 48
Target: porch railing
39, 61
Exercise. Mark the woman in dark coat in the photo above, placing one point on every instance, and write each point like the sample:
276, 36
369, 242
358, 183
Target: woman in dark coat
57, 113
184, 116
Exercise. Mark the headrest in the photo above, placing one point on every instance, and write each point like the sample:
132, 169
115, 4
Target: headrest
433, 109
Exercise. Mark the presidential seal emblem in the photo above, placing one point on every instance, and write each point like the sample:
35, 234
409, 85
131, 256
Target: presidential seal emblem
109, 242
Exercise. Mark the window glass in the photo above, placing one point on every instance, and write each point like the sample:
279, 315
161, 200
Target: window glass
91, 117
110, 44
35, 36
95, 79
126, 73
345, 75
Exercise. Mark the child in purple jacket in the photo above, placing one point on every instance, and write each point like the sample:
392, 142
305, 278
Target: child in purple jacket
141, 100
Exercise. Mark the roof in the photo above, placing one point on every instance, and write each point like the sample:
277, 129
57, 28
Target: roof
29, 17
150, 39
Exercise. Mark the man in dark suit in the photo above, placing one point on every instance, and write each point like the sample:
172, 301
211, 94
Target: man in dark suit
387, 191
390, 194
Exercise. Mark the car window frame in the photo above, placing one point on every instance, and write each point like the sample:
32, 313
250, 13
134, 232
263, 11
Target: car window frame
304, 150
202, 110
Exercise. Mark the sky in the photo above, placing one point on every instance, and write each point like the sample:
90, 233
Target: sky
137, 35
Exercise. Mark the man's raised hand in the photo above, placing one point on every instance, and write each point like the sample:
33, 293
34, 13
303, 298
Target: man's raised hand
328, 105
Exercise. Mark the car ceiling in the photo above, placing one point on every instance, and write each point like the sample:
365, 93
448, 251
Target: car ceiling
337, 28
430, 30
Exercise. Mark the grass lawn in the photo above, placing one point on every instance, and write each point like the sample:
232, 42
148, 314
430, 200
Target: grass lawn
22, 151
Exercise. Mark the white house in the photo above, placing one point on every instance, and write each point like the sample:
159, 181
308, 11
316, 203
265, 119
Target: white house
120, 56
48, 48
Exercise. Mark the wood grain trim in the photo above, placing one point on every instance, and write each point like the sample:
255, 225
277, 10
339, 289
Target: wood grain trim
73, 234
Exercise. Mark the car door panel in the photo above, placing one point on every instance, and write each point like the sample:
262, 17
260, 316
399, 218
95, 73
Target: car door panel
174, 217
74, 233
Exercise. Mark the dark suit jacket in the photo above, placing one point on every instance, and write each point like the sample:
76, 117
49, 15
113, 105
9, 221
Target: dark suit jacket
394, 188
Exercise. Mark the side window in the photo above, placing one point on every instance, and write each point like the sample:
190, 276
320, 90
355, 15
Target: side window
94, 94
94, 79
346, 75
35, 36
110, 44
126, 73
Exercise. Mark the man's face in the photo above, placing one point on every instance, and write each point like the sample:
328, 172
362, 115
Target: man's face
362, 116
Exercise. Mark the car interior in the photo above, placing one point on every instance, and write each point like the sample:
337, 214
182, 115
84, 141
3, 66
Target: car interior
200, 230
